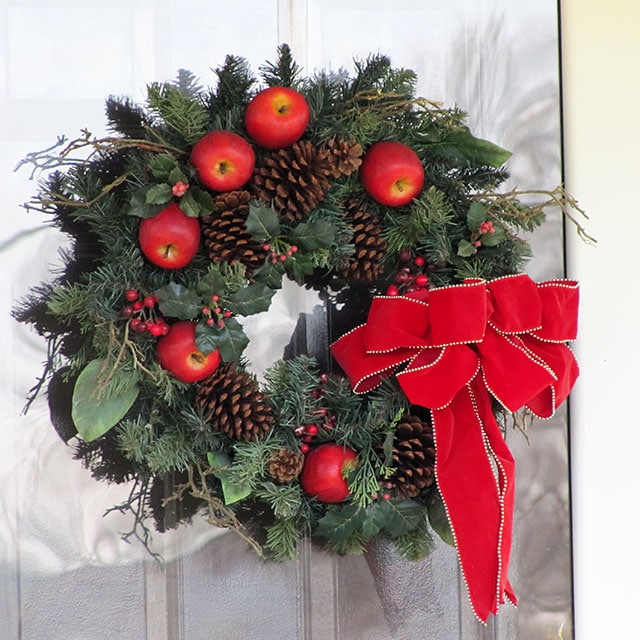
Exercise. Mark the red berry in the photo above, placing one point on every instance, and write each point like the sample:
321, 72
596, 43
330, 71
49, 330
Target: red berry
419, 261
324, 378
227, 314
392, 290
137, 305
131, 295
135, 324
210, 321
149, 301
155, 330
307, 438
405, 255
215, 298
304, 448
422, 280
385, 496
402, 276
312, 429
127, 311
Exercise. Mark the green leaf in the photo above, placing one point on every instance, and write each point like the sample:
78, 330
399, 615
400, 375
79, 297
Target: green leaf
299, 266
251, 299
438, 519
232, 492
162, 165
213, 282
493, 239
340, 524
176, 175
466, 249
189, 205
139, 206
262, 222
374, 520
231, 339
158, 194
204, 200
401, 517
476, 216
462, 144
93, 410
270, 275
313, 235
177, 301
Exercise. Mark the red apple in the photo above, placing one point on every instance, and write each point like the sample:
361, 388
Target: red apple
323, 473
276, 117
392, 173
177, 353
223, 159
170, 239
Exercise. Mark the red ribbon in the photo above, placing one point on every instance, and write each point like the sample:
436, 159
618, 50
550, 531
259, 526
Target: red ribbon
463, 345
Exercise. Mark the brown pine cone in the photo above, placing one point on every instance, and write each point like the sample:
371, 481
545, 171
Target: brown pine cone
369, 245
232, 402
413, 456
285, 465
225, 232
344, 156
294, 180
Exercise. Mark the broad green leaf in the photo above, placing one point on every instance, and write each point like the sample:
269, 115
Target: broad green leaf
158, 194
401, 517
213, 282
340, 524
493, 239
299, 266
176, 175
462, 144
270, 274
438, 519
476, 216
466, 249
139, 206
231, 491
177, 301
262, 222
204, 200
373, 521
189, 205
94, 409
251, 299
162, 165
313, 235
231, 339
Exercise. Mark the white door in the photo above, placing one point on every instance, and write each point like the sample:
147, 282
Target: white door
65, 574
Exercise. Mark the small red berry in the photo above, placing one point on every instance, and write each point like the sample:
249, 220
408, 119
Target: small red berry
135, 324
312, 429
324, 378
404, 255
137, 305
149, 301
206, 311
127, 311
179, 189
155, 330
422, 280
419, 261
220, 324
227, 314
386, 496
131, 295
210, 321
392, 290
294, 248
282, 257
215, 298
307, 438
304, 448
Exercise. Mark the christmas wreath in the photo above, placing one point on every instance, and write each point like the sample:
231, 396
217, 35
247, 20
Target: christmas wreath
186, 220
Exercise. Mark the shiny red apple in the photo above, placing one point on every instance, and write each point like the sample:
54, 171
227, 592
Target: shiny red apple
392, 173
323, 473
170, 239
223, 159
178, 353
276, 117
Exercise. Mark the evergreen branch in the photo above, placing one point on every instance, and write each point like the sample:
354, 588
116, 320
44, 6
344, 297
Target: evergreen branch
284, 71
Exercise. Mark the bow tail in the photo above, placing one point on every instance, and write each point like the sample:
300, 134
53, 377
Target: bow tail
475, 475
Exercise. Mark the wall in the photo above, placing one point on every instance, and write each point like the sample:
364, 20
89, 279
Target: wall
602, 90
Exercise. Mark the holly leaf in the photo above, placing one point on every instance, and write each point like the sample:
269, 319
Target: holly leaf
251, 299
299, 266
94, 409
189, 205
162, 165
139, 207
340, 524
476, 216
158, 194
401, 517
232, 492
177, 301
374, 520
213, 282
231, 339
176, 175
262, 222
270, 275
438, 519
204, 200
466, 249
463, 145
313, 235
493, 239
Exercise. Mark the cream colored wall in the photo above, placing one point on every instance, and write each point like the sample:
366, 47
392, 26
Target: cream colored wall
602, 94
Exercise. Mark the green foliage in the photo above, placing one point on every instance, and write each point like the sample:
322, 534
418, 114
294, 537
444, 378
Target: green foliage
285, 71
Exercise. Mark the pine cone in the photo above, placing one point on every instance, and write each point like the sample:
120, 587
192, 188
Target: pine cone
225, 232
344, 156
413, 456
285, 465
369, 245
233, 403
293, 179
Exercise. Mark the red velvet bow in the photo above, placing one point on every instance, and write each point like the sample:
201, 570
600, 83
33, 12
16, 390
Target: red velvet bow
462, 345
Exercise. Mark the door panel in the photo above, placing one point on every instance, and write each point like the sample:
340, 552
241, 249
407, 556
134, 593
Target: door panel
65, 574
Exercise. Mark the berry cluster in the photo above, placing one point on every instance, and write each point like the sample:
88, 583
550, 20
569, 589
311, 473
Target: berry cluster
410, 276
323, 420
485, 227
279, 254
216, 315
142, 314
179, 189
